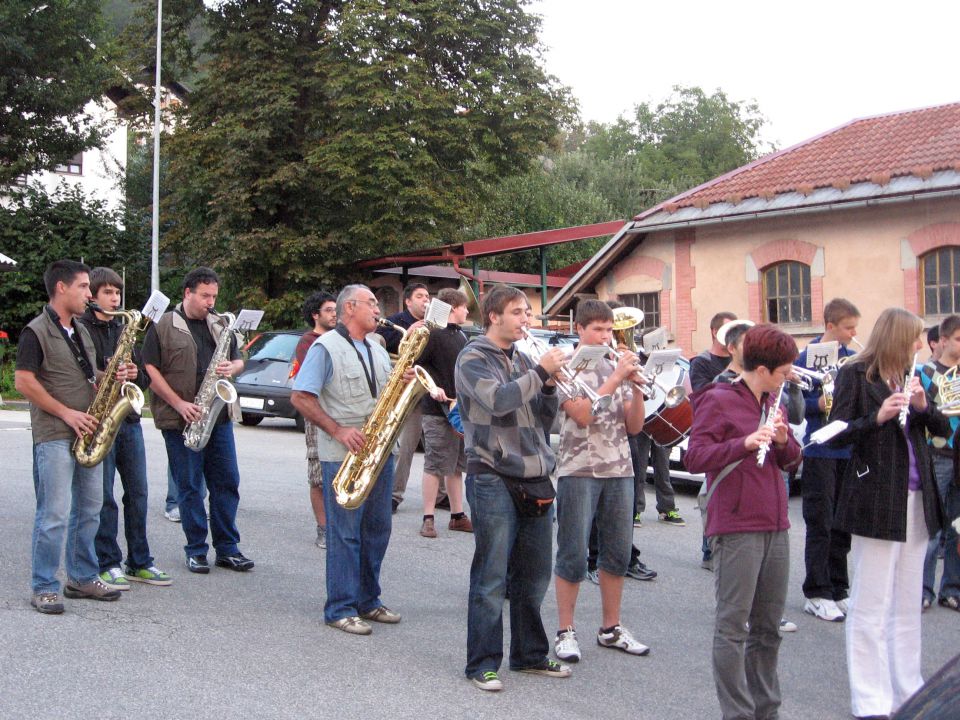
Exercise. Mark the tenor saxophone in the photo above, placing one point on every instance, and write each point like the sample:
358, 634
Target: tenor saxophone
360, 470
114, 400
214, 391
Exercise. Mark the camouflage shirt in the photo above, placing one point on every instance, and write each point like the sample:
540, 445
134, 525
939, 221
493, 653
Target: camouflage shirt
600, 450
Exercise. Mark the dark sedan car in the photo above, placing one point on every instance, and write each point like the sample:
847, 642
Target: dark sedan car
265, 384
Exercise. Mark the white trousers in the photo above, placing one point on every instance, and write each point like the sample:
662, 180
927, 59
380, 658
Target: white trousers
883, 624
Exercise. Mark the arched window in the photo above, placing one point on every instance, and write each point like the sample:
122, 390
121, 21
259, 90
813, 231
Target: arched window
941, 275
786, 294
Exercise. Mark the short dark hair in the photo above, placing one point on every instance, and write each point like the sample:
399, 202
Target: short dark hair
452, 297
62, 271
410, 289
717, 321
589, 311
949, 325
200, 276
312, 305
614, 304
735, 333
838, 309
101, 276
769, 346
495, 301
933, 334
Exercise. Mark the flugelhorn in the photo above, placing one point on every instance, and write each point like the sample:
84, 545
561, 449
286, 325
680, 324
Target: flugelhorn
568, 383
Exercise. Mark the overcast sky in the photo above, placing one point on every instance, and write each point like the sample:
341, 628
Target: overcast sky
810, 66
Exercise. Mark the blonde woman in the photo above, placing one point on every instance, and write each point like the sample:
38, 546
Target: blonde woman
889, 503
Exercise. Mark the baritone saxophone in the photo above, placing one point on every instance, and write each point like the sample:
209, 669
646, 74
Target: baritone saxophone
360, 470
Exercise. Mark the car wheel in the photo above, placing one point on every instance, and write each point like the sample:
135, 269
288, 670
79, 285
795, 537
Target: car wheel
246, 419
300, 423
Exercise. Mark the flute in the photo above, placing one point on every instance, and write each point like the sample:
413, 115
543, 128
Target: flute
906, 388
771, 418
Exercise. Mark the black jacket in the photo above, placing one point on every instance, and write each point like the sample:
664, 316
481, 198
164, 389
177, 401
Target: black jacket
872, 501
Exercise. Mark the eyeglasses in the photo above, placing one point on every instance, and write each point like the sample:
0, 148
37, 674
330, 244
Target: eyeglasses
372, 302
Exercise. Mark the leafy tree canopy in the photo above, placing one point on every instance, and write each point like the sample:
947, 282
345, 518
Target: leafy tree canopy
323, 131
65, 224
51, 66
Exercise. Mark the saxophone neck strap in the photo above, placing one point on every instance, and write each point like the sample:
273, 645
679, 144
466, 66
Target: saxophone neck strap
75, 343
367, 366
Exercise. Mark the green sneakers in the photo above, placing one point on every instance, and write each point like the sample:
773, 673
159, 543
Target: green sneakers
113, 578
151, 575
672, 517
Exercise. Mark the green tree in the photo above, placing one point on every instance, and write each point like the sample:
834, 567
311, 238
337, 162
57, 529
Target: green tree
50, 68
64, 224
325, 131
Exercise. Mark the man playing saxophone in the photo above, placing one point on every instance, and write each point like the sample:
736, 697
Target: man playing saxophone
127, 455
336, 389
177, 352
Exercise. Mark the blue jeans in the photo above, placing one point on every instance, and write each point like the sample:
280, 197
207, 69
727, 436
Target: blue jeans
580, 502
69, 497
950, 494
508, 549
172, 492
356, 543
217, 464
126, 456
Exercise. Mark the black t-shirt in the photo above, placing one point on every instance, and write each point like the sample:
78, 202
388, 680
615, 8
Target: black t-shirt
439, 358
30, 353
153, 354
705, 367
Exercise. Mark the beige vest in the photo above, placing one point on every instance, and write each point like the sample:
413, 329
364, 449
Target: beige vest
346, 398
61, 377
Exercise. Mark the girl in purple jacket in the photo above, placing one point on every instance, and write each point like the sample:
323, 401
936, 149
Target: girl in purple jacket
747, 519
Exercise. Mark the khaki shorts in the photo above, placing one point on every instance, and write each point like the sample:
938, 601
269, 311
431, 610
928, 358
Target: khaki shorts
442, 448
314, 477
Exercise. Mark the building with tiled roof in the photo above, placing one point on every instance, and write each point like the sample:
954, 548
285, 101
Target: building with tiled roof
869, 211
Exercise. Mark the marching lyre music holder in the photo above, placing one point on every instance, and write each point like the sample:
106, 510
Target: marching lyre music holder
247, 320
156, 305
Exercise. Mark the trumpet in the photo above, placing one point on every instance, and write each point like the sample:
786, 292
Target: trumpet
672, 396
568, 383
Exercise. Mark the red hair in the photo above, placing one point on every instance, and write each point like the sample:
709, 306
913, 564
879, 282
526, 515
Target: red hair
769, 346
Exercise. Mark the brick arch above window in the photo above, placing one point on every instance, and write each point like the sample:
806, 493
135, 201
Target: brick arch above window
650, 267
639, 265
777, 251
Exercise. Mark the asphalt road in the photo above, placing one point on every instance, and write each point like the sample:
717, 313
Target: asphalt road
253, 645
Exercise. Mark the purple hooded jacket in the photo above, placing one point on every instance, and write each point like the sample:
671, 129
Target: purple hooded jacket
750, 498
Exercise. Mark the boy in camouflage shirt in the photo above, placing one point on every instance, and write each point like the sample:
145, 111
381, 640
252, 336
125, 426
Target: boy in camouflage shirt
596, 478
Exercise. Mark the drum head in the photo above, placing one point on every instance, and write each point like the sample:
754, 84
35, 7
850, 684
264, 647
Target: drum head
678, 375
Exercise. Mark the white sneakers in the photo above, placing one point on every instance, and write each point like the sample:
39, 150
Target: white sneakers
621, 639
824, 609
566, 646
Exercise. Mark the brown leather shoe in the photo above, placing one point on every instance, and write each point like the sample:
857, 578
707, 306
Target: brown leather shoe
462, 524
382, 614
427, 530
93, 590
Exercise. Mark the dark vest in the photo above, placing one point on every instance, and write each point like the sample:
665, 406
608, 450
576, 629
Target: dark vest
61, 377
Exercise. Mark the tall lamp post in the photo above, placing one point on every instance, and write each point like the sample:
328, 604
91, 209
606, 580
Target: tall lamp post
155, 243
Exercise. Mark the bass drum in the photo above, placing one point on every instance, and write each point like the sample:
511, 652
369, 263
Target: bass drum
669, 426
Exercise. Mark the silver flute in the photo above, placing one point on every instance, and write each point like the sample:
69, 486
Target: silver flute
771, 418
906, 388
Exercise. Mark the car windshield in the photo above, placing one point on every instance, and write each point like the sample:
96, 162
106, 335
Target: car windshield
280, 347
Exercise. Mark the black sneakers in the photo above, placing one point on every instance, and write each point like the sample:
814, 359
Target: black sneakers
235, 562
198, 564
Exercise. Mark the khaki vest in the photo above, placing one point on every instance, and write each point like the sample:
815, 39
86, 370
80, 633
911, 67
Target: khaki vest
61, 377
346, 398
178, 365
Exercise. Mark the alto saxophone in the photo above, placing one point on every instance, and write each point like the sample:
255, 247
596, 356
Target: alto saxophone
114, 400
360, 470
214, 392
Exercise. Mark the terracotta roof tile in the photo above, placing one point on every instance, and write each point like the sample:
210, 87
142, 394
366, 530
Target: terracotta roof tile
915, 142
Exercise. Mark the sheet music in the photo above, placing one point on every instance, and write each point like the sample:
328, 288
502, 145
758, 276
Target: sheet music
438, 313
655, 340
661, 361
248, 320
156, 305
586, 356
822, 355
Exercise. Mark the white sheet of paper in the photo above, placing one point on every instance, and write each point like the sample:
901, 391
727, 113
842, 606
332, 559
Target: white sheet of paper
248, 320
822, 355
156, 305
661, 361
827, 432
438, 313
655, 340
586, 356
